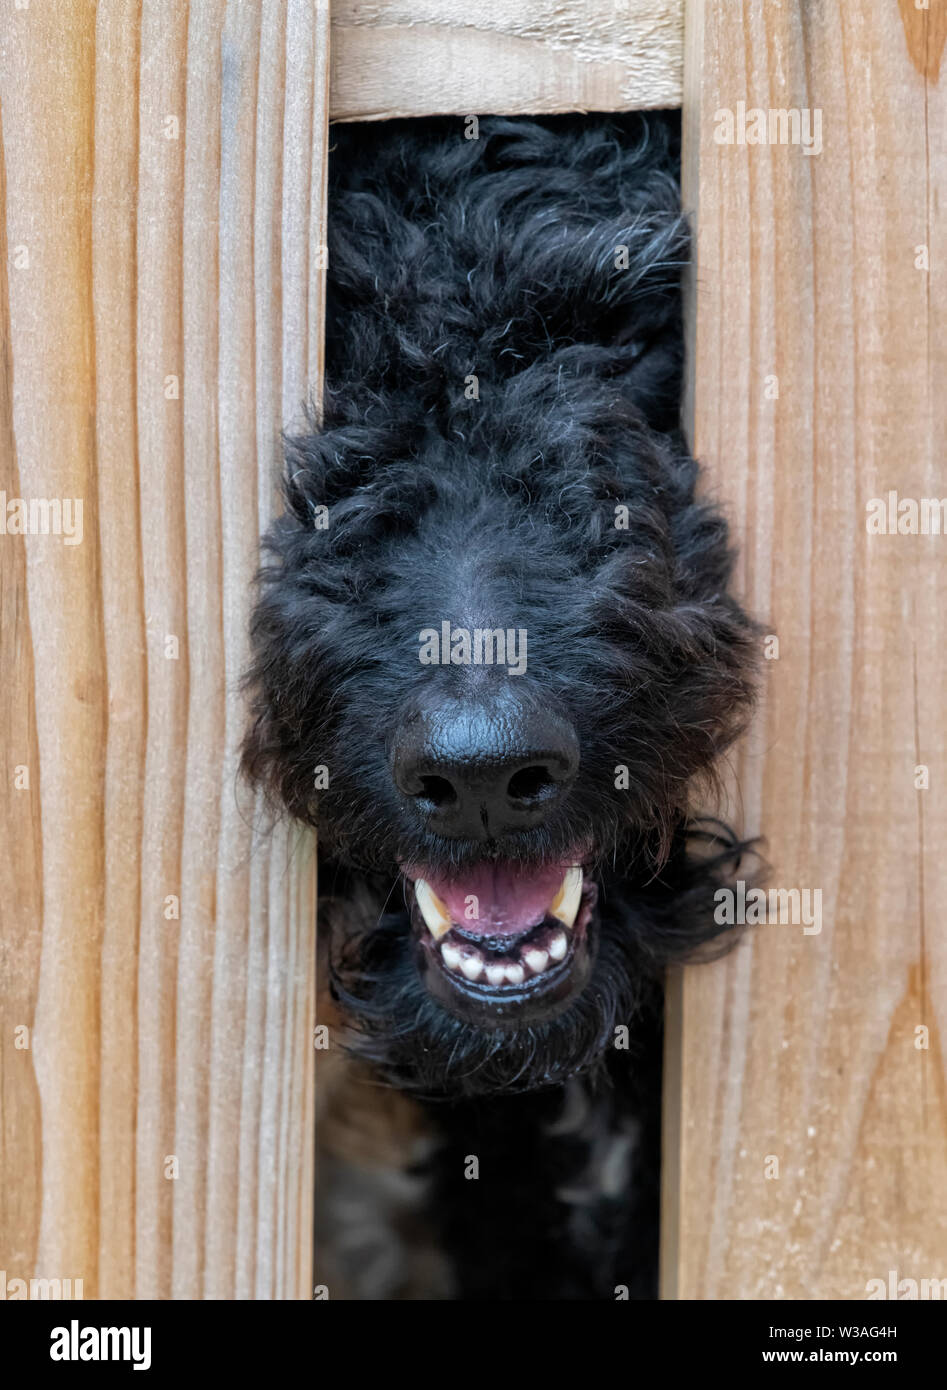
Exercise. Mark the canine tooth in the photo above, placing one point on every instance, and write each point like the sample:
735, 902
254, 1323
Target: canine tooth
435, 914
536, 960
451, 956
515, 974
472, 967
558, 946
496, 974
565, 905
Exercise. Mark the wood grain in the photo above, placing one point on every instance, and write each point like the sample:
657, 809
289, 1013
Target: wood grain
160, 308
811, 269
422, 57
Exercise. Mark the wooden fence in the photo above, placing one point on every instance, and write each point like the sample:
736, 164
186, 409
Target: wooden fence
164, 197
806, 1135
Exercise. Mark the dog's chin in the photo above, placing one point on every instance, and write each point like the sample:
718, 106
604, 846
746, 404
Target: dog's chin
503, 946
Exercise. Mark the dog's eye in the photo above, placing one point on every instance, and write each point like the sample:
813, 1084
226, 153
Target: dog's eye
367, 518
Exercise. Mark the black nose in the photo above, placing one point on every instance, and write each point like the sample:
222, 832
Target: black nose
478, 769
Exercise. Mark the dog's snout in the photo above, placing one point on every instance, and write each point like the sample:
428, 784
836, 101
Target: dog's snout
479, 770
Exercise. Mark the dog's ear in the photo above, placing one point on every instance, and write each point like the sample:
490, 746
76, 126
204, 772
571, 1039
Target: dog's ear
269, 754
718, 640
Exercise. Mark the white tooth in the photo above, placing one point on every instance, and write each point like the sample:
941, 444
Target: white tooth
435, 914
472, 967
558, 946
451, 955
515, 974
536, 960
565, 905
496, 974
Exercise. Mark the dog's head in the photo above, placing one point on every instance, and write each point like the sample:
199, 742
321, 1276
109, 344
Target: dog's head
492, 681
493, 652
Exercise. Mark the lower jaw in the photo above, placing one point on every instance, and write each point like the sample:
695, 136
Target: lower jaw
539, 1000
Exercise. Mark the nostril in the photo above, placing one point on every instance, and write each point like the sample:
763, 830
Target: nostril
437, 791
532, 785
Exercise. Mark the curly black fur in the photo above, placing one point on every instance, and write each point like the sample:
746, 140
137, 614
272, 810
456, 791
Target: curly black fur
499, 258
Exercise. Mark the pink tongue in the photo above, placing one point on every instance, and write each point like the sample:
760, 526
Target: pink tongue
498, 899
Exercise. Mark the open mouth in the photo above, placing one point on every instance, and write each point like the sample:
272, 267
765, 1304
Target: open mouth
503, 943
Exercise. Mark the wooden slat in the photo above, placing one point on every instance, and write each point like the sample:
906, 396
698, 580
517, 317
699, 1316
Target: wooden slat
136, 252
422, 57
804, 1048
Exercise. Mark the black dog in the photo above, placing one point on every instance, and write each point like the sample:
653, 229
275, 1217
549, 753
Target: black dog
494, 653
